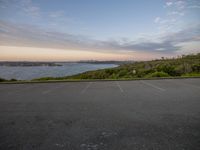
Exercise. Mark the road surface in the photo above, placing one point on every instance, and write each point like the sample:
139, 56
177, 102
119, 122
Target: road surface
111, 115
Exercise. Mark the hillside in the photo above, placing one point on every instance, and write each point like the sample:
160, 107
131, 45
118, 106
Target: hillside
188, 65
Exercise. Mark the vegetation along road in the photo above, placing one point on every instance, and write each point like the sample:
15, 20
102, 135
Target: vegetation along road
184, 66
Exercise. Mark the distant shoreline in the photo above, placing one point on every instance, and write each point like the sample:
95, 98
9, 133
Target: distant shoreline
27, 64
31, 70
32, 63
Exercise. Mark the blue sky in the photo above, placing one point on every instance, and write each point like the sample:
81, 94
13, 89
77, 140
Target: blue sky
133, 28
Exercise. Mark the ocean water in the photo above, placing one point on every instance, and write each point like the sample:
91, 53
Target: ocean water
28, 73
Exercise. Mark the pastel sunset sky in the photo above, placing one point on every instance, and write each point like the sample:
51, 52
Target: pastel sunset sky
70, 30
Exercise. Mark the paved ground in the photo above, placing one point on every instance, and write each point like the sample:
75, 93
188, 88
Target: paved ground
117, 115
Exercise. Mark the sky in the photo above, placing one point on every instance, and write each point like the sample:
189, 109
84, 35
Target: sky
71, 30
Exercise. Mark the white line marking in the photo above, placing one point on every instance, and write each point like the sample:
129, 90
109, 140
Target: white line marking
48, 91
154, 86
120, 88
85, 89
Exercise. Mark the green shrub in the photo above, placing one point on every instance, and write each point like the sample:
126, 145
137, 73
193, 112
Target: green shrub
167, 68
191, 75
159, 74
109, 71
114, 76
122, 73
196, 68
186, 65
13, 80
44, 79
1, 79
140, 73
149, 71
179, 70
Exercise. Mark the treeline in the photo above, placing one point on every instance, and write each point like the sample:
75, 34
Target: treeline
186, 65
5, 80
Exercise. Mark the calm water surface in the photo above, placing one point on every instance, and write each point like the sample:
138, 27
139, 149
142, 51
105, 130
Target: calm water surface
28, 73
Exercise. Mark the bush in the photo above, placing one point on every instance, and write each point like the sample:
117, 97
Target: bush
191, 75
140, 73
196, 68
158, 74
1, 79
13, 80
179, 70
169, 69
123, 73
149, 71
109, 71
43, 79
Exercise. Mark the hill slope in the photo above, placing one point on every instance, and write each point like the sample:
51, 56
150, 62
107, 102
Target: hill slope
188, 65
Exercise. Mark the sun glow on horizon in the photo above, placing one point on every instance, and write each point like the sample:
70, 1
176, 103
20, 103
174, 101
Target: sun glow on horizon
13, 53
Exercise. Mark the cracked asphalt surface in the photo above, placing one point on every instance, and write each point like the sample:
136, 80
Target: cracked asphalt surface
111, 115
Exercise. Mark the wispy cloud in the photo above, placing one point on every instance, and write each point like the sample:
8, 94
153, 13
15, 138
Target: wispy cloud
31, 12
26, 7
194, 6
55, 14
12, 34
169, 4
176, 11
29, 8
166, 40
157, 20
180, 4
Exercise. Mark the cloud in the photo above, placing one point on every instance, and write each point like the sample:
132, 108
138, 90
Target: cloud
55, 14
157, 20
176, 13
183, 4
186, 35
26, 7
165, 46
169, 4
32, 11
168, 42
25, 35
180, 5
194, 7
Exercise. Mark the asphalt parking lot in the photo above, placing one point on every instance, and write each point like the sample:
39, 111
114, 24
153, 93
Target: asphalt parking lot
110, 115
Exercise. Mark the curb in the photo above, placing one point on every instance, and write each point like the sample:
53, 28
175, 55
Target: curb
93, 80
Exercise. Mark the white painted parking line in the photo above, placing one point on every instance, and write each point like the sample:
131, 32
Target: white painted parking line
51, 90
119, 86
85, 89
152, 85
